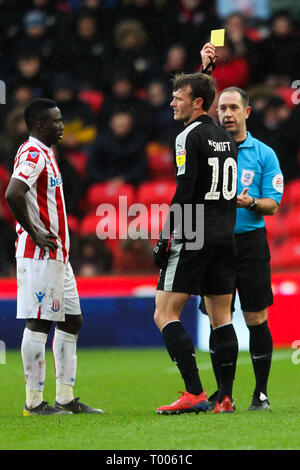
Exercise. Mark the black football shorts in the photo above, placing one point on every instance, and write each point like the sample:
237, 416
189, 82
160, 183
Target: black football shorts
253, 272
210, 270
253, 280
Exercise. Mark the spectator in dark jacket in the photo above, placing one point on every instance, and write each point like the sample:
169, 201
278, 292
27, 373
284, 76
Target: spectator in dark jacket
80, 124
85, 51
134, 53
37, 38
273, 127
13, 135
164, 128
122, 97
118, 154
279, 53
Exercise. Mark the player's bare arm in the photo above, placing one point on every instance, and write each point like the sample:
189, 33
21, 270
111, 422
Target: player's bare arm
265, 206
15, 197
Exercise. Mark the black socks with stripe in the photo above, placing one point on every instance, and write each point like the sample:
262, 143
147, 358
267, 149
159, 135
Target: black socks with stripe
224, 347
181, 350
261, 348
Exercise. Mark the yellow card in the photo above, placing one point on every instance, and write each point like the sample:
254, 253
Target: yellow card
217, 37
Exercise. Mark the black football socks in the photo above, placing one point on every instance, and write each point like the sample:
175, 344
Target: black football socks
181, 350
212, 351
261, 348
226, 352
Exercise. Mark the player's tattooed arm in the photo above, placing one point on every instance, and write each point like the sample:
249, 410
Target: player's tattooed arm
16, 200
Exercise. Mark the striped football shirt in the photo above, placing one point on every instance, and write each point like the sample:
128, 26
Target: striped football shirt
36, 165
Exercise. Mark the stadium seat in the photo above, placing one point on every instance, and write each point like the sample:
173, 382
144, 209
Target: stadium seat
291, 195
100, 224
150, 223
4, 180
91, 224
287, 94
73, 223
160, 161
274, 226
88, 224
288, 255
78, 160
93, 98
291, 222
107, 193
156, 192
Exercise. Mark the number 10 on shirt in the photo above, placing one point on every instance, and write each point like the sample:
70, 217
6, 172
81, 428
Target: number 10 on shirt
228, 166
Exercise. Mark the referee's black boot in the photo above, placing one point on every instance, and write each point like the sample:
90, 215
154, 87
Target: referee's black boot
259, 403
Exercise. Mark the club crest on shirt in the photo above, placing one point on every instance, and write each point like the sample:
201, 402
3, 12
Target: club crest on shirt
55, 305
247, 177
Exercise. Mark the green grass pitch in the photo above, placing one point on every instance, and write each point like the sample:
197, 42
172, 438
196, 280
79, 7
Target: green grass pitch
129, 385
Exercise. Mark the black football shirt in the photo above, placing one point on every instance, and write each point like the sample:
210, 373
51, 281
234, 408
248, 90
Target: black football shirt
206, 175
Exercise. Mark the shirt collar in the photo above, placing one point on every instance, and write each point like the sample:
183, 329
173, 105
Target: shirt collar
249, 142
34, 140
203, 117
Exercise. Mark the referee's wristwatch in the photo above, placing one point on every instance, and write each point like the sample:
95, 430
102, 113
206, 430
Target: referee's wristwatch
253, 205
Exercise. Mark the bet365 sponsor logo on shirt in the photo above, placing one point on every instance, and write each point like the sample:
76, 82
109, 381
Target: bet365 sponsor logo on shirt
55, 181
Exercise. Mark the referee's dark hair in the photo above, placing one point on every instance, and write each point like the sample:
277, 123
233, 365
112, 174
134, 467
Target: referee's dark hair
242, 93
36, 111
202, 86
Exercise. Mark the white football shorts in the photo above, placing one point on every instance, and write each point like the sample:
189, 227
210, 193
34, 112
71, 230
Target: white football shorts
46, 289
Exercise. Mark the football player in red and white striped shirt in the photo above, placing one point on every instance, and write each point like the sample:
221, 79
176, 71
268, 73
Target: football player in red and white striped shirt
47, 288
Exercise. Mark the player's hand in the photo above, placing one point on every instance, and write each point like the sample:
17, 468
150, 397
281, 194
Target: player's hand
208, 52
161, 253
243, 199
45, 242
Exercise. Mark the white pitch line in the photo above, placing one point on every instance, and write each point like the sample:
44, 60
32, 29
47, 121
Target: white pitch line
277, 356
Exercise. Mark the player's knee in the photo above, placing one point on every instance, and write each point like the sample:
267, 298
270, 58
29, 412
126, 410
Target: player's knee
255, 318
157, 317
72, 324
162, 317
41, 326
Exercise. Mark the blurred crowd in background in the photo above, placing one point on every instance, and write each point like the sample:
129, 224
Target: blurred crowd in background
108, 65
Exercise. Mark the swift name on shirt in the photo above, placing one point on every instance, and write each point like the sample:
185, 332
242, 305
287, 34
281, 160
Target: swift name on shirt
219, 146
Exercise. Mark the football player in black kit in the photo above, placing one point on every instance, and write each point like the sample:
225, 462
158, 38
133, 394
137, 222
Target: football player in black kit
196, 252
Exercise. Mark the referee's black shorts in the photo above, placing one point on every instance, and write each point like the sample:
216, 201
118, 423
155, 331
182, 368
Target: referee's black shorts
210, 270
253, 272
253, 277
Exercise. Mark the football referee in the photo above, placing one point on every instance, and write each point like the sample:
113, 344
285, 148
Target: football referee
260, 188
206, 177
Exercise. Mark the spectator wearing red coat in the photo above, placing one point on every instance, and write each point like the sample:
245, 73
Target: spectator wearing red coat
231, 69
